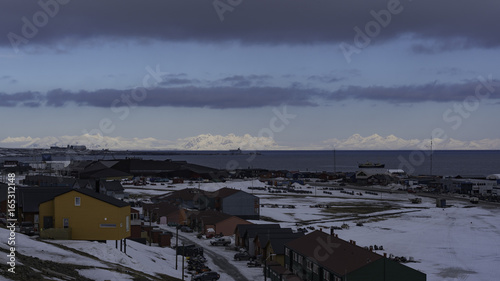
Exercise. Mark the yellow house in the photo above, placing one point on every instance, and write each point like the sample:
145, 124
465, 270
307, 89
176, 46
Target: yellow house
85, 215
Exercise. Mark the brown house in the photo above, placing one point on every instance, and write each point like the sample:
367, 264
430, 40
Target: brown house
165, 213
219, 222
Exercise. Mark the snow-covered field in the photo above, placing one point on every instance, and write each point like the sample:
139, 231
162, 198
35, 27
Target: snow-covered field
460, 242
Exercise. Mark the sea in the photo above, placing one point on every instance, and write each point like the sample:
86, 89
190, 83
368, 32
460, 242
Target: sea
414, 162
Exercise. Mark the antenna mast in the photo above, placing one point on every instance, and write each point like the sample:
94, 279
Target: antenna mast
334, 161
431, 156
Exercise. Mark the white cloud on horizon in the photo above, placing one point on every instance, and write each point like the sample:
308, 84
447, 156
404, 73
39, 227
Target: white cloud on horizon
245, 142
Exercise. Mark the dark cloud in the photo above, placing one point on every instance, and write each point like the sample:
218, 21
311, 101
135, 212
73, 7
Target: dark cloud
178, 81
30, 99
325, 78
224, 97
215, 97
420, 93
445, 22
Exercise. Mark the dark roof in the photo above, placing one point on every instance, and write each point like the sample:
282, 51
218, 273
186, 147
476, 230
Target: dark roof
210, 216
102, 197
186, 194
29, 198
254, 232
112, 185
278, 241
343, 257
41, 180
164, 208
243, 228
108, 173
225, 192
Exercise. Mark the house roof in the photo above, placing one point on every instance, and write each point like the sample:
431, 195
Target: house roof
210, 216
108, 173
102, 197
243, 228
112, 185
164, 208
186, 194
341, 257
278, 240
225, 192
41, 180
29, 198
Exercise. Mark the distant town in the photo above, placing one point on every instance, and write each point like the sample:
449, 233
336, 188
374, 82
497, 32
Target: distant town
134, 201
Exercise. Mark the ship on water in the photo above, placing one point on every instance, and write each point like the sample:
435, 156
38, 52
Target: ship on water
371, 165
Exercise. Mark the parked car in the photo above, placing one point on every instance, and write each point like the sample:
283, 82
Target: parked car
243, 256
3, 221
220, 242
186, 229
206, 276
27, 228
254, 264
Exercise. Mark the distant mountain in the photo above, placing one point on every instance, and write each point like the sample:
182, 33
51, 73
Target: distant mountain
200, 142
391, 142
245, 142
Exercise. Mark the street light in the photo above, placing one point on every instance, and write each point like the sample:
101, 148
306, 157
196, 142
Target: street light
150, 219
265, 266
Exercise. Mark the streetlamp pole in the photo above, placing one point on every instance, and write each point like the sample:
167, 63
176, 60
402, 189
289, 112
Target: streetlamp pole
265, 266
176, 245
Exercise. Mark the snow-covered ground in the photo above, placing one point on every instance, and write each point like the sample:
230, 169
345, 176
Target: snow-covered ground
460, 242
456, 243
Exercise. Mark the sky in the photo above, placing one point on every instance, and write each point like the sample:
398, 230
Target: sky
223, 74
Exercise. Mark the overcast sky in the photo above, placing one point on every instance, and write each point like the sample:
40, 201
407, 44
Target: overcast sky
299, 72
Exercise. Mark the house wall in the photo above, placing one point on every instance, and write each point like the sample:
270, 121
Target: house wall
92, 220
278, 258
241, 204
45, 209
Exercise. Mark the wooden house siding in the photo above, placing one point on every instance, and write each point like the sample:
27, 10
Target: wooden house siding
93, 219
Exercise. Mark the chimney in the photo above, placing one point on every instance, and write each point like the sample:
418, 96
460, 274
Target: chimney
353, 242
331, 232
385, 255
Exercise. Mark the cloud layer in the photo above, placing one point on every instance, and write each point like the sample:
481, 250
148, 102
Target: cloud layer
242, 93
441, 25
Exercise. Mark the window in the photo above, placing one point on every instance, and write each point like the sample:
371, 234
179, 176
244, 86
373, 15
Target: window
77, 201
326, 275
287, 252
107, 225
338, 278
127, 223
315, 268
301, 259
294, 256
